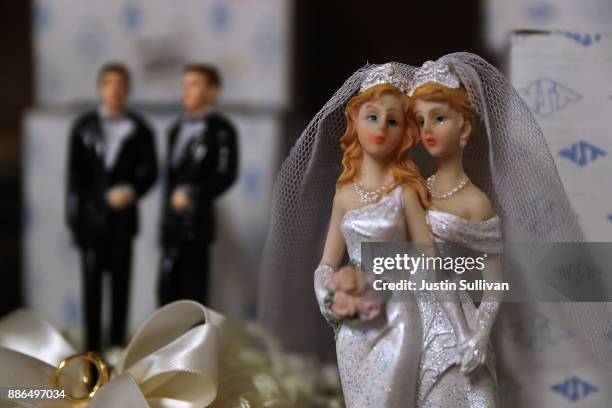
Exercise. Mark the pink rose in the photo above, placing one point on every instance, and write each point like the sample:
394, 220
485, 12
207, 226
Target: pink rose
347, 279
344, 305
368, 309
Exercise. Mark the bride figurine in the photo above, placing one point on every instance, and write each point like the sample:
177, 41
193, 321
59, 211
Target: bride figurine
495, 184
380, 196
460, 213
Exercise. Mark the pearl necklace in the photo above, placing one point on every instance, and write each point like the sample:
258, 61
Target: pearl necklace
369, 196
440, 196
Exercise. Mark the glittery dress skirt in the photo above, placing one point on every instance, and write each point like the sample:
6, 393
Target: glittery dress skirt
441, 384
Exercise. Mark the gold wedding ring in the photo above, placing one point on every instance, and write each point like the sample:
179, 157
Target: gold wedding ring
89, 360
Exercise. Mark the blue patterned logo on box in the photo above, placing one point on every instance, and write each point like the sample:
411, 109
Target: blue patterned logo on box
582, 153
545, 96
132, 17
220, 17
574, 389
541, 11
584, 39
538, 332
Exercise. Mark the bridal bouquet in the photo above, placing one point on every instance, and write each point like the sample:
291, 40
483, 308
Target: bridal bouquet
348, 297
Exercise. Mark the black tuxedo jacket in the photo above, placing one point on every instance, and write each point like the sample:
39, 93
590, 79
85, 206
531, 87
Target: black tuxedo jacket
207, 168
89, 216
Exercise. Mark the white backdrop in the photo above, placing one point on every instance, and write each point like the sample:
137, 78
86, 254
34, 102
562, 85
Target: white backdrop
51, 263
247, 39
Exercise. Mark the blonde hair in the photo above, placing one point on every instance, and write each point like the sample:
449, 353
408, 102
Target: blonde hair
403, 169
457, 98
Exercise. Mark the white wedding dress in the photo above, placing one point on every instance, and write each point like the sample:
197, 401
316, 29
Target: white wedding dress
407, 356
378, 359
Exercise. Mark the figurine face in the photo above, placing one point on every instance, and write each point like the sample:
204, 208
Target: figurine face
380, 125
113, 90
197, 92
443, 130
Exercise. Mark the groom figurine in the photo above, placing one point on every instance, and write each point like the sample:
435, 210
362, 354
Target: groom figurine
111, 166
201, 164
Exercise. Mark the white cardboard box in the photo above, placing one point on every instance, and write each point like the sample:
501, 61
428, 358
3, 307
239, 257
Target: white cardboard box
567, 83
502, 17
248, 40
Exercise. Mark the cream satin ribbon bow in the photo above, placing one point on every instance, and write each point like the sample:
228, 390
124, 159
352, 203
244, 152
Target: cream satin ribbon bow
171, 362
